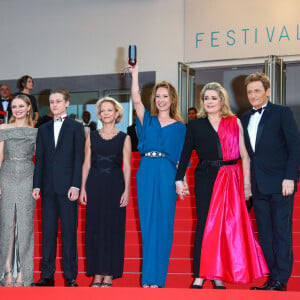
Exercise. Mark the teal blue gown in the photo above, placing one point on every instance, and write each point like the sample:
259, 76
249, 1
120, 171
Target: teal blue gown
156, 194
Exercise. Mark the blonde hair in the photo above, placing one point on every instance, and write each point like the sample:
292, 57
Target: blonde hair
61, 91
29, 121
118, 107
174, 111
222, 93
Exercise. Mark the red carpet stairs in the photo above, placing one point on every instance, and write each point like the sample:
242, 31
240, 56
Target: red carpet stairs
180, 268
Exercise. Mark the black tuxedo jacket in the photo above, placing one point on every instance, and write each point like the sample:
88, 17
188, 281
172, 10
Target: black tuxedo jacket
8, 109
131, 131
58, 168
277, 148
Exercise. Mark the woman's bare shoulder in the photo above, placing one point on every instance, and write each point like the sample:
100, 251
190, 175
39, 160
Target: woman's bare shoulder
6, 126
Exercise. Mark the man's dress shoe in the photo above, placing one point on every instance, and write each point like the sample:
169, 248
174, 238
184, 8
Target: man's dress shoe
271, 285
71, 283
277, 286
265, 286
44, 282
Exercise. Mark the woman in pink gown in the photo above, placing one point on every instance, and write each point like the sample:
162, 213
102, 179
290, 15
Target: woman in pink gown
225, 245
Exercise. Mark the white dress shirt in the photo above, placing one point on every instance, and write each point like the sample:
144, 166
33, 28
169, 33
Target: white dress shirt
253, 126
5, 104
57, 127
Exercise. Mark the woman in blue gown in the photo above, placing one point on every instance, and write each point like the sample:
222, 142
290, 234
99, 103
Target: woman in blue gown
161, 135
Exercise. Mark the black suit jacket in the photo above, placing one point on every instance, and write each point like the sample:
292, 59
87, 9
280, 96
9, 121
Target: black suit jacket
58, 168
131, 131
8, 110
277, 148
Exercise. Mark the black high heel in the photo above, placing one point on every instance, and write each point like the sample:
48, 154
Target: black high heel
218, 287
198, 286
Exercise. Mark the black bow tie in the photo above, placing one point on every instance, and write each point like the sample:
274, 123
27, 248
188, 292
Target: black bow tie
253, 111
5, 100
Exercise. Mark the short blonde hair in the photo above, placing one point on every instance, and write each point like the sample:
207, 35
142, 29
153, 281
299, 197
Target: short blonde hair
222, 93
118, 107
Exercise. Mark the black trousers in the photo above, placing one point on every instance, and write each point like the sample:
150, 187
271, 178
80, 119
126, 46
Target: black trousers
273, 215
204, 184
57, 207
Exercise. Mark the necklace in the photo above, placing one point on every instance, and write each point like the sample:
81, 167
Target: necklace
108, 135
113, 132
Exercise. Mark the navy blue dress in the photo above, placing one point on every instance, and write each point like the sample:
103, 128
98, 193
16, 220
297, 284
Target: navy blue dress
156, 193
105, 219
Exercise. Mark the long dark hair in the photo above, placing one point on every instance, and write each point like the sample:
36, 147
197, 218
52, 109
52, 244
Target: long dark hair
22, 82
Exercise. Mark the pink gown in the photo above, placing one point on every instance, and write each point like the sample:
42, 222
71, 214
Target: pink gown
230, 251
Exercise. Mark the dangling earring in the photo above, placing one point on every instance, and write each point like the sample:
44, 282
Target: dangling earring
27, 113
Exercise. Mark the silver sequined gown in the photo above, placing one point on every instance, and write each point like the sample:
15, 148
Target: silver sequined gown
16, 175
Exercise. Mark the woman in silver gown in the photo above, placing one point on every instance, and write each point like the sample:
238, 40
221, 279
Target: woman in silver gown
17, 145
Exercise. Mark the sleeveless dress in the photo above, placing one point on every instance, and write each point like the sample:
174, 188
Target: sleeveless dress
105, 219
16, 175
156, 194
230, 251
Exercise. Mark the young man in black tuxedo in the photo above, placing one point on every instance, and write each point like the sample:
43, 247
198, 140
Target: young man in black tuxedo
273, 143
57, 176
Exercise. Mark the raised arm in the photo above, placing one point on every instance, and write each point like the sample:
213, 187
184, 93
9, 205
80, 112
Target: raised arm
126, 171
135, 93
85, 170
245, 162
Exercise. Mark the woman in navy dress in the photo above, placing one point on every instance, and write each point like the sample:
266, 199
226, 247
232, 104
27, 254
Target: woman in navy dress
105, 191
161, 136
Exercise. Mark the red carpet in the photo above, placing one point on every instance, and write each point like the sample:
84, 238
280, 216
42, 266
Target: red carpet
81, 293
180, 269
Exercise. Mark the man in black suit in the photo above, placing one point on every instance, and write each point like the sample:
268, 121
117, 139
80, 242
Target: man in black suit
57, 175
5, 103
88, 126
273, 143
